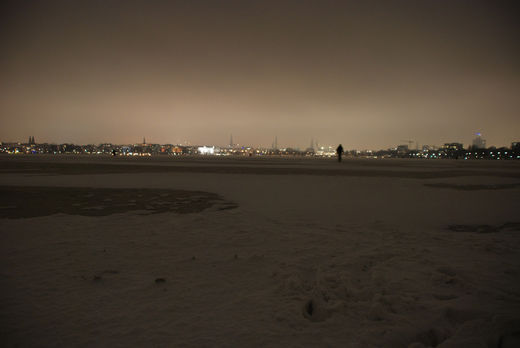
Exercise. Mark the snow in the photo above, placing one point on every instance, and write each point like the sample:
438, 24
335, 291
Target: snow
303, 260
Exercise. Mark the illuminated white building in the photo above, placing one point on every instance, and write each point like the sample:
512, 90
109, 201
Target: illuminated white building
206, 150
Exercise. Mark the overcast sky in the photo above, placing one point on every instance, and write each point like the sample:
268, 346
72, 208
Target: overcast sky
367, 74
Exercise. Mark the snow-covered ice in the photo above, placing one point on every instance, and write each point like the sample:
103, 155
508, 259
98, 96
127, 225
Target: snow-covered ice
292, 253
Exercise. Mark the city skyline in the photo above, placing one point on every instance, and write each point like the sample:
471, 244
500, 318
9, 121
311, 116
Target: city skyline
368, 75
478, 140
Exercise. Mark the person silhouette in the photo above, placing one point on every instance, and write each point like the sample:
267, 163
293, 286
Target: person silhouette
339, 151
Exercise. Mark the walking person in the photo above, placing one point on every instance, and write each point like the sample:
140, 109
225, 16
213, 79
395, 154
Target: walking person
339, 151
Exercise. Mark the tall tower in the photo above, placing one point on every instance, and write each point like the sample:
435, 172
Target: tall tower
479, 142
275, 145
231, 141
312, 144
144, 141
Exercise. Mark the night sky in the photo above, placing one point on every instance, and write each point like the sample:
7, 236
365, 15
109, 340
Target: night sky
367, 74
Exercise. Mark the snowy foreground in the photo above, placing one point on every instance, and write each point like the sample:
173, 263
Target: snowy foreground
265, 253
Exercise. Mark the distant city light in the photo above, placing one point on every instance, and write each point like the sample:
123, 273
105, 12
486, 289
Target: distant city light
205, 150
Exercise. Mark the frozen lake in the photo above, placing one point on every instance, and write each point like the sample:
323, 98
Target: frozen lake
259, 251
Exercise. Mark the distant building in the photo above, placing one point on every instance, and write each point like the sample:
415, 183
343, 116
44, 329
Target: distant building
176, 150
402, 149
427, 148
479, 142
515, 146
453, 146
310, 149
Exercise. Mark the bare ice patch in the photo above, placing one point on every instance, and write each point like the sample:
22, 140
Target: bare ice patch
24, 202
483, 228
473, 187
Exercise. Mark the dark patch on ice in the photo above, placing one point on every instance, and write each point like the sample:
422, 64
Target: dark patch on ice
508, 226
473, 187
28, 201
315, 310
442, 297
511, 226
228, 205
309, 308
447, 271
510, 340
433, 337
160, 280
474, 228
99, 276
